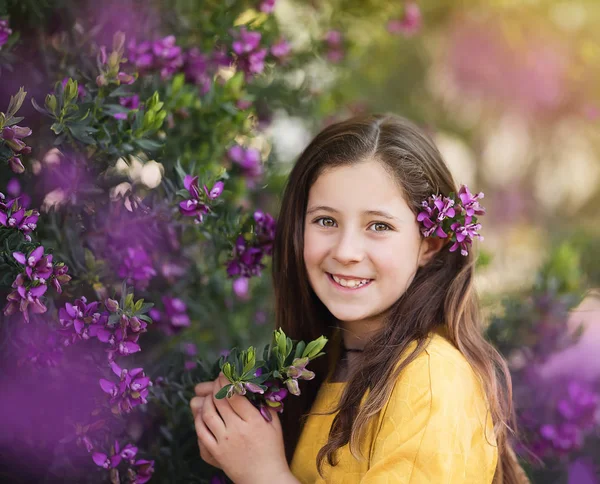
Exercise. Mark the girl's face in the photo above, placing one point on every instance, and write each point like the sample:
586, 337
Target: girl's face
362, 245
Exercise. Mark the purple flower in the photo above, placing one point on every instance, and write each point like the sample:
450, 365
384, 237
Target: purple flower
193, 207
16, 165
249, 160
464, 236
335, 47
13, 135
410, 23
83, 319
5, 32
176, 312
470, 203
250, 57
267, 6
130, 391
130, 102
25, 221
280, 49
137, 267
215, 191
143, 473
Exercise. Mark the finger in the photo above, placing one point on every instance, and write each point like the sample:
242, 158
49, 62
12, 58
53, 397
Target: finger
205, 436
204, 389
238, 403
212, 419
196, 405
227, 413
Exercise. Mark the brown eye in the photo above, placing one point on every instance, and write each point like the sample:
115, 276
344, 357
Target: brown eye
380, 227
325, 222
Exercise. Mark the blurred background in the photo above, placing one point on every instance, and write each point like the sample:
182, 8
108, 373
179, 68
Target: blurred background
232, 91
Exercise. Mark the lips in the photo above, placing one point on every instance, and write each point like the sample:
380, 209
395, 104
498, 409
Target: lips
348, 283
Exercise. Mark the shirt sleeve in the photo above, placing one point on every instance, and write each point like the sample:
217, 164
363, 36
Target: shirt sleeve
435, 428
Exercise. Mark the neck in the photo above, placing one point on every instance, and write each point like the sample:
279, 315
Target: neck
356, 334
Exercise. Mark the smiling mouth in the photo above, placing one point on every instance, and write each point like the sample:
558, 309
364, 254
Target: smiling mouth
352, 284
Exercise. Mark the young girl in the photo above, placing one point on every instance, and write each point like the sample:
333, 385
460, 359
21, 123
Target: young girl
410, 391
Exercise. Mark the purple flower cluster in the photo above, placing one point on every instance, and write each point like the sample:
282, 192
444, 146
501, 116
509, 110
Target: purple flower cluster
248, 256
138, 472
162, 55
130, 391
14, 217
200, 68
33, 282
410, 24
249, 160
137, 267
335, 46
13, 138
297, 371
175, 315
83, 321
445, 217
250, 55
575, 416
197, 205
5, 32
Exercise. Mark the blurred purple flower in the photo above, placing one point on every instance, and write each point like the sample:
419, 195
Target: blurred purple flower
137, 267
410, 24
162, 55
5, 32
335, 46
130, 102
249, 160
250, 57
176, 312
267, 6
280, 49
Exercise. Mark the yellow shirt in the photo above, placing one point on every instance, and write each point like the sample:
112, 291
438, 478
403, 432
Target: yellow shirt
435, 428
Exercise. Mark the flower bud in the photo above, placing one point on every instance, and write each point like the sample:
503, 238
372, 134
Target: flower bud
292, 386
112, 305
16, 165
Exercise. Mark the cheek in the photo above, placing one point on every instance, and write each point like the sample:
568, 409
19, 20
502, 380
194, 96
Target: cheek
313, 251
398, 260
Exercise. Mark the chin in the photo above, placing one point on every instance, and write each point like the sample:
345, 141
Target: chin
348, 313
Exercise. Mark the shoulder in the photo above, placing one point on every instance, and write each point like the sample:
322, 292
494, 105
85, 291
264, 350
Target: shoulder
439, 379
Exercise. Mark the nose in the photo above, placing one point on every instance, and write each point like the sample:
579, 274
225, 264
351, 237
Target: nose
349, 248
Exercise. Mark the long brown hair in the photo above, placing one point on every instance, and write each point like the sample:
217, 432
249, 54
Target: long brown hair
442, 291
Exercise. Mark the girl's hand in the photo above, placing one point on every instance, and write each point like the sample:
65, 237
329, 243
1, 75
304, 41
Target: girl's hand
203, 391
246, 446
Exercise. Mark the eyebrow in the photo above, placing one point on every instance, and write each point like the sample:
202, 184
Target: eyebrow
379, 213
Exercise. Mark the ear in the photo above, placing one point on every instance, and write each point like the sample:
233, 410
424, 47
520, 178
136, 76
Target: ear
429, 247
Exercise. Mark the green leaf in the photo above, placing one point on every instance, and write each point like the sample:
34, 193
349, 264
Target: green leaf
299, 349
147, 144
222, 393
314, 347
15, 103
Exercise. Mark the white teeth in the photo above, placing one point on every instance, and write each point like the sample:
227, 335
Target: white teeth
351, 283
